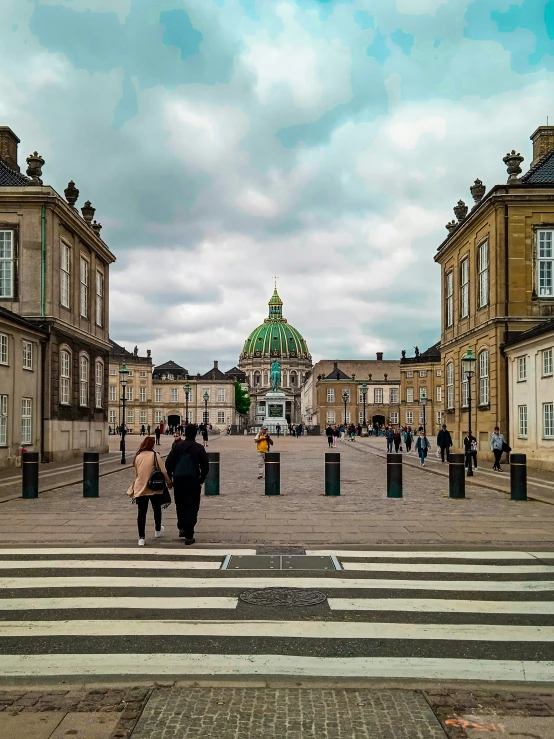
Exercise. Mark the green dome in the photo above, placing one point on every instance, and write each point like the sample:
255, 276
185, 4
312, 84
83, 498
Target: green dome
275, 337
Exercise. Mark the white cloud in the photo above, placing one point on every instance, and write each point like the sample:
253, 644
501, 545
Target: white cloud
420, 7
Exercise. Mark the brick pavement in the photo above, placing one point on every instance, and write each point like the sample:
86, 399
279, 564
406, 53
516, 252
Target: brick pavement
302, 515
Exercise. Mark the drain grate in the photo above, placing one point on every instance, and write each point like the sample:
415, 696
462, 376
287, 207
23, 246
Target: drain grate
280, 562
283, 597
280, 550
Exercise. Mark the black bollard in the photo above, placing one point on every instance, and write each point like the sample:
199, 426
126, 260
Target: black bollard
272, 473
394, 475
29, 475
211, 485
91, 474
332, 473
518, 476
457, 476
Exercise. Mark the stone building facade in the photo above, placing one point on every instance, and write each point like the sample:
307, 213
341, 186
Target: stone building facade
421, 377
54, 272
497, 272
138, 395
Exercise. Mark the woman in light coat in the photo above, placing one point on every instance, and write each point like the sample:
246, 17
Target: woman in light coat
139, 491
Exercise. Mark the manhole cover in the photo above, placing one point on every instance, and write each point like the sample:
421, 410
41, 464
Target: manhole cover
283, 597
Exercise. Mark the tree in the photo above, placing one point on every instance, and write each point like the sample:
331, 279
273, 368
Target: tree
242, 400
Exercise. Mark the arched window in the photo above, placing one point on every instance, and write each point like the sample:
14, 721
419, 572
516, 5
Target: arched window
484, 377
293, 379
65, 376
99, 384
450, 385
83, 379
256, 379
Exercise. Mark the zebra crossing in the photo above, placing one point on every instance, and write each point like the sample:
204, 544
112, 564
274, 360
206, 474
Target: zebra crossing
95, 612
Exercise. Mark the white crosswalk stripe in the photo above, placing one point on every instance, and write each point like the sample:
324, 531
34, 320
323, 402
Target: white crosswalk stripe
389, 614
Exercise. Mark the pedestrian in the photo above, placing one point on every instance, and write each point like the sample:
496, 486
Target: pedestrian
444, 442
422, 446
408, 439
278, 429
158, 433
145, 462
342, 431
390, 438
263, 442
299, 431
143, 430
352, 432
497, 447
205, 435
329, 433
396, 439
470, 449
336, 434
148, 429
188, 465
177, 437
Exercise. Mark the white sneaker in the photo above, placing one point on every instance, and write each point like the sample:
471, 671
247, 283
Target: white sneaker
423, 464
141, 542
160, 532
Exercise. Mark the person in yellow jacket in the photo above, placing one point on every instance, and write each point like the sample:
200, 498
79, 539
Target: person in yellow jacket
263, 442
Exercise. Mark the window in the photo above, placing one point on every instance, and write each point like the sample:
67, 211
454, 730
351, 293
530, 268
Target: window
347, 393
221, 416
113, 396
130, 416
206, 417
422, 417
99, 385
394, 395
143, 418
483, 258
64, 275
83, 381
409, 374
130, 373
142, 373
293, 379
157, 416
465, 391
142, 392
522, 416
464, 288
484, 378
449, 299
158, 395
439, 373
113, 372
3, 420
422, 392
521, 369
378, 395
439, 417
64, 376
423, 373
221, 395
439, 394
173, 395
331, 395
99, 298
3, 349
130, 393
545, 264
113, 417
394, 417
548, 420
409, 395
330, 416
84, 287
27, 355
26, 420
7, 267
450, 385
547, 366
347, 417
409, 417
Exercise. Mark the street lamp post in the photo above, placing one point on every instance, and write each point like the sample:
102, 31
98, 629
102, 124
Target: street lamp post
423, 401
364, 397
345, 399
468, 363
187, 391
206, 397
123, 375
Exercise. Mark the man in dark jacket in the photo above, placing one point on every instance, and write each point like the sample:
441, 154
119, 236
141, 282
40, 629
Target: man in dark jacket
444, 442
389, 435
187, 463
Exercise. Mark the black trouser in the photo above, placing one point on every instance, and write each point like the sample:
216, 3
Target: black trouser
408, 445
389, 445
447, 450
497, 455
157, 439
473, 455
396, 446
330, 440
187, 502
142, 506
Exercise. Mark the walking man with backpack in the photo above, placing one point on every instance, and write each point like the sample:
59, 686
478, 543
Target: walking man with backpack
188, 465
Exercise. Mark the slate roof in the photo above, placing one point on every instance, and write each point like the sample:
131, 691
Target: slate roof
214, 374
542, 173
235, 373
429, 355
171, 365
542, 328
16, 318
117, 349
10, 178
338, 374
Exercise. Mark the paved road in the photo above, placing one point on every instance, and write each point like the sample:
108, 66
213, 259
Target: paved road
451, 615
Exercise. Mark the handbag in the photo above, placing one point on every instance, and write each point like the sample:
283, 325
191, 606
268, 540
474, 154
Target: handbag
156, 480
506, 448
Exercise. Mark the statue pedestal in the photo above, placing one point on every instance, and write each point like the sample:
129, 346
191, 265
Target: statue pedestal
275, 407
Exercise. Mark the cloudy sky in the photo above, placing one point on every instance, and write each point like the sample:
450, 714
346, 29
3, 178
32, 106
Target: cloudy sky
225, 141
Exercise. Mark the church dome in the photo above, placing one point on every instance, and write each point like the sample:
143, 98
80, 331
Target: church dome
275, 337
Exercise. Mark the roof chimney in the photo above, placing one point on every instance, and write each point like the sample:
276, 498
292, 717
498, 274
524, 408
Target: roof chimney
335, 365
8, 147
379, 356
215, 363
543, 142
